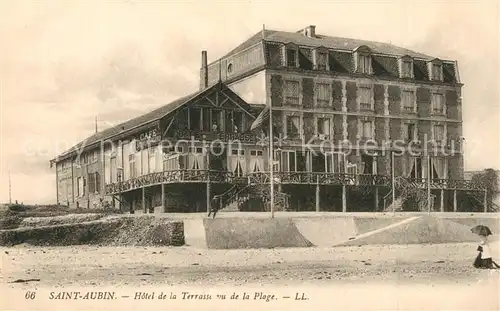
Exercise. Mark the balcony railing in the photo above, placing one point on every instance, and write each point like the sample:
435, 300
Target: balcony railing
435, 183
173, 176
299, 178
216, 135
319, 178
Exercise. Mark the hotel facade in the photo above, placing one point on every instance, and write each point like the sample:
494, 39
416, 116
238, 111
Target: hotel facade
352, 120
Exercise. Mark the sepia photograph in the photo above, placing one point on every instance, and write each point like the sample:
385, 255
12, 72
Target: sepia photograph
272, 155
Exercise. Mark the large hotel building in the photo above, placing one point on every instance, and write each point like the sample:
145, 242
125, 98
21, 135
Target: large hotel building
354, 120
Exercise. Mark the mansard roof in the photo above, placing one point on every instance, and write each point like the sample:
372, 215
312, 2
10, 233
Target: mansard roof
335, 43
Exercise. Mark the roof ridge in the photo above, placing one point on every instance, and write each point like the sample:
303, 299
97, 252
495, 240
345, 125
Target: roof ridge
143, 119
349, 43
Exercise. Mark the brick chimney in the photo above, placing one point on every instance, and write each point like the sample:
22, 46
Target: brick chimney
309, 31
204, 71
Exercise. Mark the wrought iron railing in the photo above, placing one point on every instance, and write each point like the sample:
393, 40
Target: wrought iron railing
173, 176
439, 183
319, 178
322, 178
221, 201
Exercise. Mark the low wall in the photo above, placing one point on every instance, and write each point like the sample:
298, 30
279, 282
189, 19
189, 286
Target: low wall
117, 231
234, 233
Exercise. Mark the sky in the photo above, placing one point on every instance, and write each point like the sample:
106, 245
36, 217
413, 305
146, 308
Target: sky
62, 64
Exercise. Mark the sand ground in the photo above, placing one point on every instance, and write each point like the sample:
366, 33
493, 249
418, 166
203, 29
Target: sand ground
92, 265
366, 270
373, 277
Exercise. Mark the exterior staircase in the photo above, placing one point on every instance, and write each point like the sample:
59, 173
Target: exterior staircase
479, 198
233, 199
404, 190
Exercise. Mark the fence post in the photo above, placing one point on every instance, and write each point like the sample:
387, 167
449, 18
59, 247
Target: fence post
317, 194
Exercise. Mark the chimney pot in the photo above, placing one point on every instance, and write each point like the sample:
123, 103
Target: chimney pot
204, 70
204, 62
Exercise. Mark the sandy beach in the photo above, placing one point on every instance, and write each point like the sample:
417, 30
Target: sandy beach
399, 269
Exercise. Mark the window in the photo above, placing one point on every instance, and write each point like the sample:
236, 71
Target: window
292, 93
335, 162
152, 160
291, 58
408, 99
438, 103
131, 159
228, 122
323, 95
217, 120
436, 72
367, 130
94, 182
323, 128
410, 132
112, 164
81, 187
292, 126
95, 156
364, 64
439, 132
91, 178
288, 161
238, 121
240, 152
194, 119
365, 98
406, 69
322, 61
205, 114
166, 150
196, 150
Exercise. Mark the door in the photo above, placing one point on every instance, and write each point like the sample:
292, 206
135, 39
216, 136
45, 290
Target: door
218, 159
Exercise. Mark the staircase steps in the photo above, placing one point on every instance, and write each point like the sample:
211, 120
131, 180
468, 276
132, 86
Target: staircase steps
239, 194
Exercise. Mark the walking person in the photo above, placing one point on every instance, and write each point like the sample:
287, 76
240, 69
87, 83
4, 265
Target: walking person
213, 208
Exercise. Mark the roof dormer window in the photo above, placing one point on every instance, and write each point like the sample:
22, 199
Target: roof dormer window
290, 55
435, 68
320, 58
363, 60
406, 67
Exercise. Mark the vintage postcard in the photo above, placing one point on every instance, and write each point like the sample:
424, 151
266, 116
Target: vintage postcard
250, 155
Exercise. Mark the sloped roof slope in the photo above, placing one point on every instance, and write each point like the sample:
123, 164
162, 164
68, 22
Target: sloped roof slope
146, 118
335, 43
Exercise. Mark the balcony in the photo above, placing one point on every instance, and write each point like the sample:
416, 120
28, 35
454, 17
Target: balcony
169, 177
319, 178
220, 135
445, 184
290, 178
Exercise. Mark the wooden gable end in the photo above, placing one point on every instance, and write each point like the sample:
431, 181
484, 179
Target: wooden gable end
217, 110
